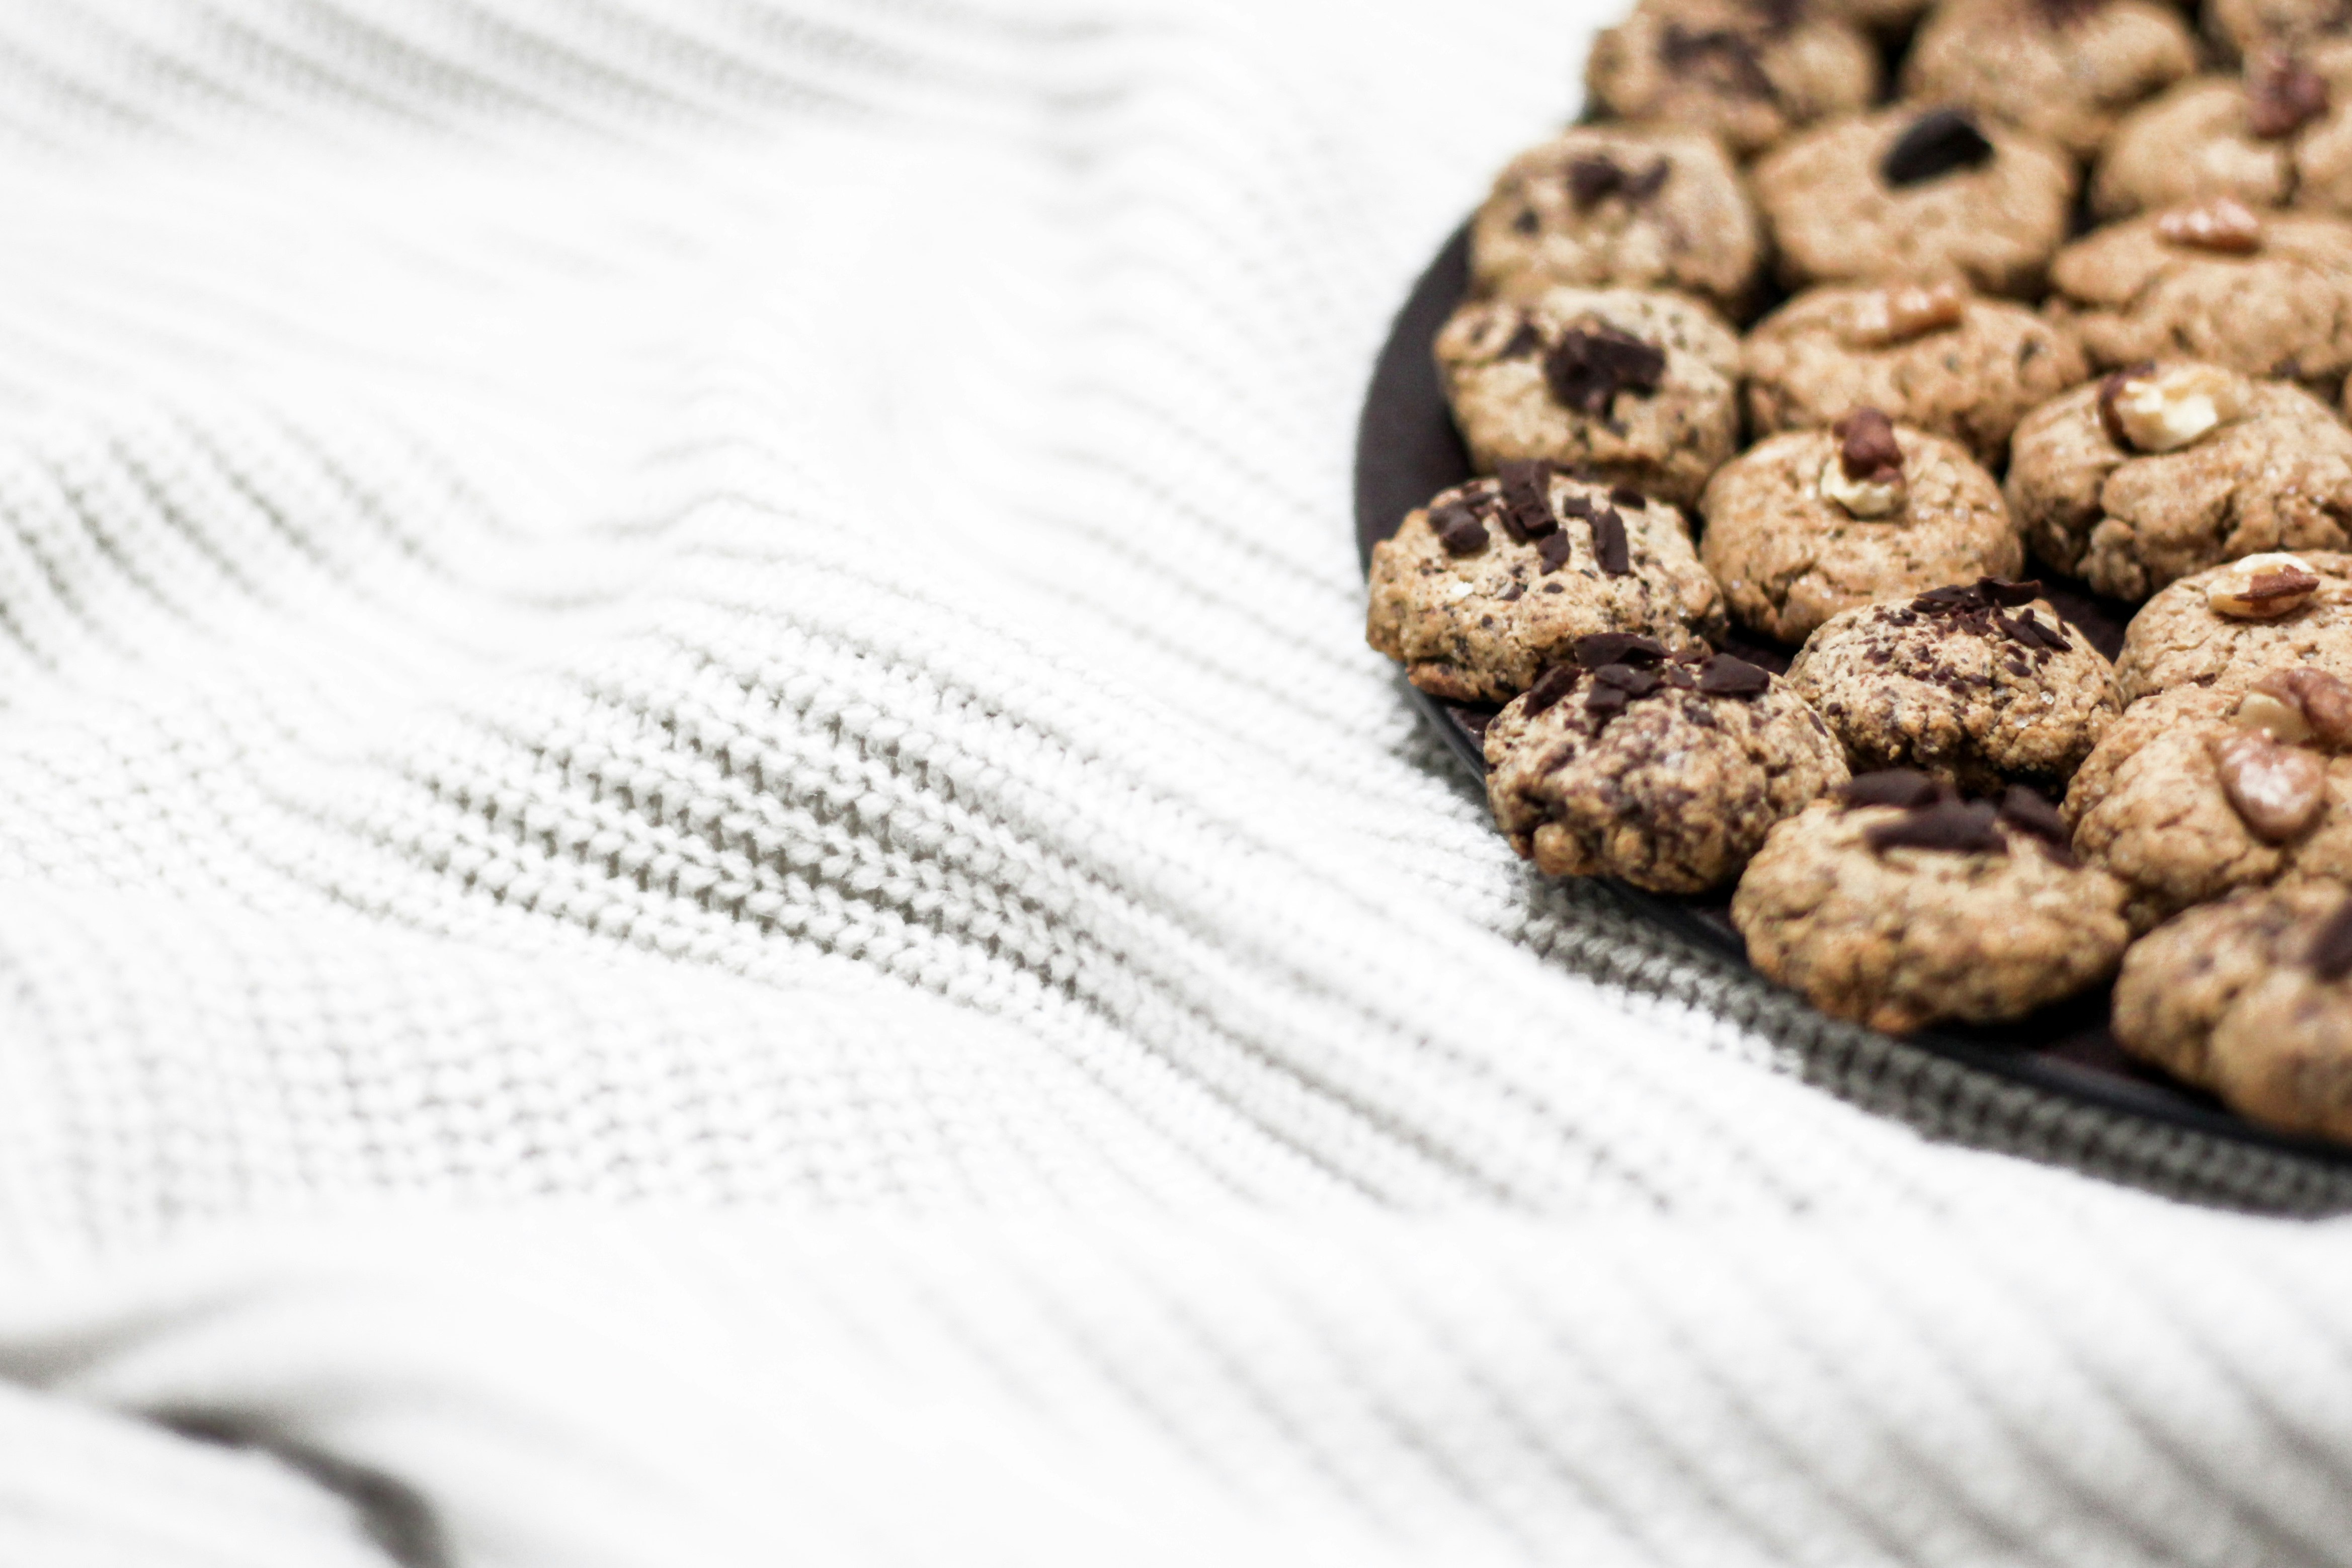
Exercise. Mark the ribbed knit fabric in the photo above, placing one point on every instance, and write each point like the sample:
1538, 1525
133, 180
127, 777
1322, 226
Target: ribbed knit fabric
700, 865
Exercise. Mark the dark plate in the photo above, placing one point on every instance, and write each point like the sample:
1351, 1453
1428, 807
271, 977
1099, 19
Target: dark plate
1407, 451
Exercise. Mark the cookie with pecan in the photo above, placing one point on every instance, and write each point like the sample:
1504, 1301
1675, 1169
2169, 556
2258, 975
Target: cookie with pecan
2227, 627
2277, 134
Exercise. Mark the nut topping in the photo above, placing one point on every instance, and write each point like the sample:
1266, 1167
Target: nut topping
2261, 587
2304, 698
1888, 316
2279, 718
2282, 95
2277, 790
1865, 476
2224, 224
2150, 410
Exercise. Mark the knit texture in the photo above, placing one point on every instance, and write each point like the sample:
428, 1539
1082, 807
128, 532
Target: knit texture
700, 865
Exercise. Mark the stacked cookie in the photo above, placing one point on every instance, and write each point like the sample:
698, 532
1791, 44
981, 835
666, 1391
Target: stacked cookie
1776, 386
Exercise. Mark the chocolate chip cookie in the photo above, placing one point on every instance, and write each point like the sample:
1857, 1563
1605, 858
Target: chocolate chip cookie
1496, 580
1917, 195
2194, 793
1939, 359
2228, 626
2165, 469
2267, 294
2247, 998
1749, 70
2059, 70
1665, 770
2278, 135
1602, 207
1812, 522
1977, 685
1898, 905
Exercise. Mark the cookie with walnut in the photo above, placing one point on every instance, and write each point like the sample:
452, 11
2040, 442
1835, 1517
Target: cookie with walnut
1495, 581
1897, 905
1637, 385
2227, 627
1977, 685
2278, 134
1939, 359
2170, 467
1749, 70
1665, 770
1633, 206
1812, 522
2060, 70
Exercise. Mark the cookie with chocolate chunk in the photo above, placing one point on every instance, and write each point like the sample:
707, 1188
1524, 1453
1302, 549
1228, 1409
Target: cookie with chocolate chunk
2228, 626
1637, 385
1495, 581
1749, 70
1977, 685
1917, 195
2279, 134
2266, 294
2059, 70
1602, 207
2167, 469
1897, 905
1812, 522
1665, 770
1939, 359
2249, 998
2194, 793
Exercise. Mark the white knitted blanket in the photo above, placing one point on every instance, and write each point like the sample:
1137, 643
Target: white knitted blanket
700, 866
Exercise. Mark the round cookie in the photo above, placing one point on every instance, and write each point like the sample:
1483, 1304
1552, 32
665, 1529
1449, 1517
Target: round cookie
1798, 529
1749, 70
2269, 294
2248, 26
1637, 385
1667, 772
1898, 905
1976, 687
2192, 794
2059, 70
2280, 135
1940, 359
2210, 631
1602, 207
1917, 195
2247, 998
1496, 580
2270, 469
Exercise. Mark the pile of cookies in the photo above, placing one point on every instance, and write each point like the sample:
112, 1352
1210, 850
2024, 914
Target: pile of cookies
1777, 373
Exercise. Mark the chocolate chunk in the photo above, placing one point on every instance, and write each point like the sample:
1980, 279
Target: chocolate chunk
1552, 549
1970, 827
1867, 450
1724, 57
1526, 340
2050, 637
1626, 496
1609, 543
1724, 677
1937, 143
1634, 682
1641, 187
1603, 649
1512, 592
1575, 506
1527, 500
2027, 810
1551, 687
1591, 365
2001, 591
1905, 786
1589, 180
1605, 703
1955, 600
2331, 946
1527, 223
2110, 420
2282, 95
1458, 528
1679, 677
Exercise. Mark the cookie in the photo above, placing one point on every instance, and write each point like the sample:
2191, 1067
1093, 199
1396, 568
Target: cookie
1496, 580
2247, 27
2269, 294
1601, 206
1750, 71
1938, 359
1914, 195
2248, 999
2279, 135
1638, 385
2060, 70
2228, 626
1899, 906
1978, 686
1812, 522
1664, 771
2153, 473
2194, 794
